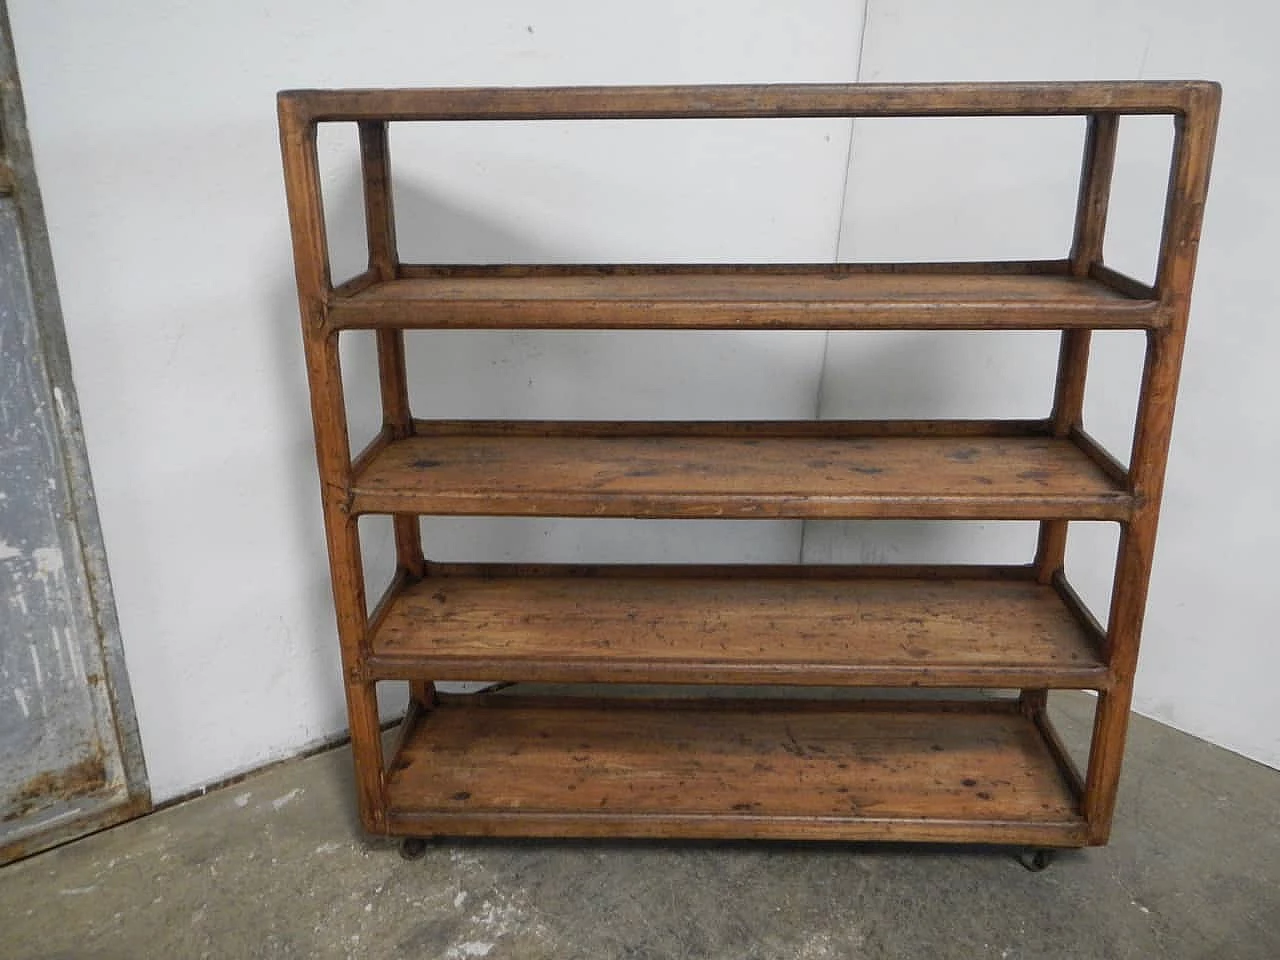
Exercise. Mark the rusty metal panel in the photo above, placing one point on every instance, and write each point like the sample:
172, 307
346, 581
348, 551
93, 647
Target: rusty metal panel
70, 761
58, 755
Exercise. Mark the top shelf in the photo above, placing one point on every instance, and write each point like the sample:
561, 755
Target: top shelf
1177, 97
957, 296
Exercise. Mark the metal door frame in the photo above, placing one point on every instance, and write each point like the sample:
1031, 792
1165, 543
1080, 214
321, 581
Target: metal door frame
18, 181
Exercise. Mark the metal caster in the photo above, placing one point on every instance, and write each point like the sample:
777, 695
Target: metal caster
1036, 858
413, 848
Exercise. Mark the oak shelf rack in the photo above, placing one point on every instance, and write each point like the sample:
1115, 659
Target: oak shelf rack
810, 764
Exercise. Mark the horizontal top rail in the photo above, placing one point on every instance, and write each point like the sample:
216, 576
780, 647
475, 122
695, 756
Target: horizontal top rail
1176, 97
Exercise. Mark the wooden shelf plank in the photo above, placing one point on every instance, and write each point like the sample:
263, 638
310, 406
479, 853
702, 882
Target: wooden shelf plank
1023, 296
731, 470
732, 624
711, 768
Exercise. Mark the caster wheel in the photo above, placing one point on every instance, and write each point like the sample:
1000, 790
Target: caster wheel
413, 848
1036, 859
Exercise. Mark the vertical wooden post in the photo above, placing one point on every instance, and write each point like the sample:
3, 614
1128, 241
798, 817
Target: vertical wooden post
1073, 354
393, 378
1194, 133
1092, 202
310, 249
375, 161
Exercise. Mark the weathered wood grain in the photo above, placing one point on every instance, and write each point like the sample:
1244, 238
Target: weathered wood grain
842, 296
768, 469
622, 767
773, 100
731, 625
984, 773
1194, 134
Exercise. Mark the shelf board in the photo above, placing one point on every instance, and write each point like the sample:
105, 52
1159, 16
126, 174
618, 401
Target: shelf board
736, 470
958, 626
501, 766
1034, 295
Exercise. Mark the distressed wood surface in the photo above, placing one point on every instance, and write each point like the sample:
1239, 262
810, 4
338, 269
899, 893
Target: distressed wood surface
765, 469
732, 625
1193, 143
333, 458
1092, 203
748, 100
843, 296
757, 769
625, 767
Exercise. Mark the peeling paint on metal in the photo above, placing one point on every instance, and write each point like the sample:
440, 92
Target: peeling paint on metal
55, 591
56, 729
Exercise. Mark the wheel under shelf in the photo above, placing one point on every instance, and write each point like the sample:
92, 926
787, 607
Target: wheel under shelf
552, 766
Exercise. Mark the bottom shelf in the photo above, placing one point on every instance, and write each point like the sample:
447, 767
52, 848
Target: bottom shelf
972, 771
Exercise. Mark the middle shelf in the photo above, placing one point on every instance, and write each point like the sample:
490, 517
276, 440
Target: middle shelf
963, 470
743, 624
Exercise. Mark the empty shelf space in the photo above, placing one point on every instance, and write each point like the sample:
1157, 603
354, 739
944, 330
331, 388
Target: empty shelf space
554, 766
734, 470
1036, 295
979, 627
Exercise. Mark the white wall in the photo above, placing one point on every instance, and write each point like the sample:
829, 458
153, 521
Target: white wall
1210, 653
155, 139
154, 131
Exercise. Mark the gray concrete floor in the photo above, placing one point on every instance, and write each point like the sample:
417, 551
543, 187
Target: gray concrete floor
276, 867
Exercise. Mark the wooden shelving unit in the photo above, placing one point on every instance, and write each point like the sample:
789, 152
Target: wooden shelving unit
948, 768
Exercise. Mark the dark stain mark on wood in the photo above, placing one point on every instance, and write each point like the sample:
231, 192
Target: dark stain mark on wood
791, 745
461, 795
964, 455
423, 463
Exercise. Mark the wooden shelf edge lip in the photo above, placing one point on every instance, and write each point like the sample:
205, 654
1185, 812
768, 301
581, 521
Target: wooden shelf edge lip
588, 824
557, 503
1124, 284
745, 101
624, 315
745, 429
751, 571
1053, 742
993, 268
514, 702
387, 667
1099, 454
1080, 610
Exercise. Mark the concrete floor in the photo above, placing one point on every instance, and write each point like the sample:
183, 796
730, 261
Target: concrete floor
275, 867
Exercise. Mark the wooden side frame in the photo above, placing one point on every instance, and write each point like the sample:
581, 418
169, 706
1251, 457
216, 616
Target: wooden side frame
328, 410
1195, 129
